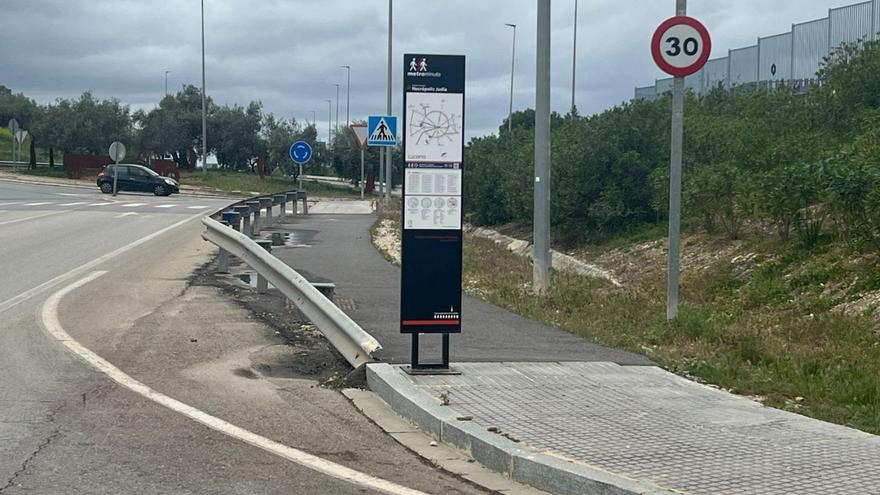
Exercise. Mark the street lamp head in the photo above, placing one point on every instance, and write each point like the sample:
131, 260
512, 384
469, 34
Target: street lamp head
511, 25
345, 67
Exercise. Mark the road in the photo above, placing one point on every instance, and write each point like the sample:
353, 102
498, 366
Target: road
67, 428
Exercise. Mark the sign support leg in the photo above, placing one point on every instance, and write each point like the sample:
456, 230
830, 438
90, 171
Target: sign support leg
418, 368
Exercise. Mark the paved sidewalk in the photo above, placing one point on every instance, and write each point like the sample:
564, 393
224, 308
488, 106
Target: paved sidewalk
338, 248
570, 417
636, 429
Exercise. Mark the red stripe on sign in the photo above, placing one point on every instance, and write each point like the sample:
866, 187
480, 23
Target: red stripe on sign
411, 323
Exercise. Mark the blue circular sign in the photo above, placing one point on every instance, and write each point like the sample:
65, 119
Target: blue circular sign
301, 152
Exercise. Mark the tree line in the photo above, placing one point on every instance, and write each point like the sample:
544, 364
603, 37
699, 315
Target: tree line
238, 136
803, 164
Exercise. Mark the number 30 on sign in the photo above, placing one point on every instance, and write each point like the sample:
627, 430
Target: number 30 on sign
681, 46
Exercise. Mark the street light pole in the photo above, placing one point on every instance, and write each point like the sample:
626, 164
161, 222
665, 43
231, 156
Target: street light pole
204, 104
166, 82
329, 121
337, 109
329, 125
347, 95
388, 150
315, 118
541, 255
574, 57
512, 62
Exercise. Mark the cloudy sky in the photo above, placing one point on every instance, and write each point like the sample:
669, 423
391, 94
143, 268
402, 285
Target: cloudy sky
287, 53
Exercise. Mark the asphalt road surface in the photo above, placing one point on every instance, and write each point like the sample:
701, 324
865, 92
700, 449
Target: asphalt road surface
67, 428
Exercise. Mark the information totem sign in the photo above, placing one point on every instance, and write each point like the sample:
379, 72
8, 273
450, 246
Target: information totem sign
431, 250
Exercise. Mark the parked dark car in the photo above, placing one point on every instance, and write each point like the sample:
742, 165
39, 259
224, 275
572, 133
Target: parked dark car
136, 178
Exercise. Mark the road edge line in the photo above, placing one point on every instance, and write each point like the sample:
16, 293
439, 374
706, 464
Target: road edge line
24, 296
52, 325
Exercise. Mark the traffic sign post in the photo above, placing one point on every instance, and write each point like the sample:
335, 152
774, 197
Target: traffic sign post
431, 236
360, 133
301, 152
117, 154
681, 46
13, 128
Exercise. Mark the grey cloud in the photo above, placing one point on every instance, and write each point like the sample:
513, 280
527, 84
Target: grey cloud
287, 53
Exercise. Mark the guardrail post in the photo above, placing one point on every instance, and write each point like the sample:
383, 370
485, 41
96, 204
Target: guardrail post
223, 258
291, 196
305, 200
262, 283
255, 207
245, 212
267, 204
281, 200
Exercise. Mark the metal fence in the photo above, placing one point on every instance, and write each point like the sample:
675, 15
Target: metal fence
794, 57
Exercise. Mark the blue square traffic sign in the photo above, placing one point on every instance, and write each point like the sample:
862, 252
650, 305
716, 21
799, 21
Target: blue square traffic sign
382, 131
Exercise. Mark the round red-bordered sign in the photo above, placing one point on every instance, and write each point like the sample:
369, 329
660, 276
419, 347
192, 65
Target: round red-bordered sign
681, 46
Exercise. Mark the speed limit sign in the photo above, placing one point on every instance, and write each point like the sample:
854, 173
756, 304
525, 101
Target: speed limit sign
681, 46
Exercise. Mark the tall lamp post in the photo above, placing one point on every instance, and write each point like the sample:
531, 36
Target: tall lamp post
512, 61
329, 121
337, 108
166, 81
541, 222
314, 118
204, 104
388, 153
347, 95
574, 57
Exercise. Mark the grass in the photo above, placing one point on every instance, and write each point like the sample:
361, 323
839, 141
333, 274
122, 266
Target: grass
246, 183
57, 172
768, 332
765, 334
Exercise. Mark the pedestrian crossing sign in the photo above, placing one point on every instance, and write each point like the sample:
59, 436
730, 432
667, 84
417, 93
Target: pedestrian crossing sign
382, 130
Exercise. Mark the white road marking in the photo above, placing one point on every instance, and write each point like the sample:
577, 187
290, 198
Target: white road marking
34, 217
132, 205
37, 204
126, 214
101, 204
10, 203
165, 206
197, 207
52, 325
73, 204
24, 296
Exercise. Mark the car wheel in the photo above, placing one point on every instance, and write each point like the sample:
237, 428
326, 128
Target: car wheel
106, 187
159, 190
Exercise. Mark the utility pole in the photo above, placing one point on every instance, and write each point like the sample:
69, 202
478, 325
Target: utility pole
315, 119
574, 58
541, 255
674, 267
204, 104
347, 95
388, 150
512, 62
166, 82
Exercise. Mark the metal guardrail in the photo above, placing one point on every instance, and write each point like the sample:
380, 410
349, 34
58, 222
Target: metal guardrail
355, 345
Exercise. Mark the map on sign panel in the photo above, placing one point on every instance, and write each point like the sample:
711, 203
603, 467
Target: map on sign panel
434, 127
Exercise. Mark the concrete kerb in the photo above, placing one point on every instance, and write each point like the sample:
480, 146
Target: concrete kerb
520, 464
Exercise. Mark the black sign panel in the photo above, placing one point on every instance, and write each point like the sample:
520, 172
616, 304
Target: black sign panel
433, 149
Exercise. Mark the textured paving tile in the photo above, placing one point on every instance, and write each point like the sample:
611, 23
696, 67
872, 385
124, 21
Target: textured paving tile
644, 423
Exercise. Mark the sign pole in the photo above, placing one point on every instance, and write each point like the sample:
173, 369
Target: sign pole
362, 173
674, 260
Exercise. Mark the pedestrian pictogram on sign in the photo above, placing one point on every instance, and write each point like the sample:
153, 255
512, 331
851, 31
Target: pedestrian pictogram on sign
382, 131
